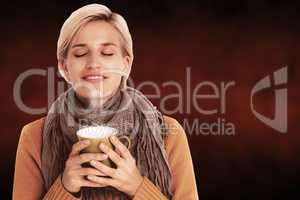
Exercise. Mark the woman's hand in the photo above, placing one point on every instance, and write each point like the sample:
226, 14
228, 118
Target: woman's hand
126, 177
73, 177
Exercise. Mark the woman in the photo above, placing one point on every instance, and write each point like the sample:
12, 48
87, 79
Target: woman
95, 55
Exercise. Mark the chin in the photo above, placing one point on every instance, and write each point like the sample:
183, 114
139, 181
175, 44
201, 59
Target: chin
95, 94
97, 91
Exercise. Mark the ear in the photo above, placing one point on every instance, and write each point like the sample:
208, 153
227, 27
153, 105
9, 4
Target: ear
126, 62
62, 67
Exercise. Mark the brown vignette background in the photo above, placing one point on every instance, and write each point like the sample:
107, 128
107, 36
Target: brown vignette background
232, 40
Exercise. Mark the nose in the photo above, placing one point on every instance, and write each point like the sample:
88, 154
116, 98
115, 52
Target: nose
93, 61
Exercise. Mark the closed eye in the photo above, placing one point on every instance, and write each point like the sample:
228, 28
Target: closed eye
108, 54
79, 55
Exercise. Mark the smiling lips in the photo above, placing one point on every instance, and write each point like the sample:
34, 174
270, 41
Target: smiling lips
94, 77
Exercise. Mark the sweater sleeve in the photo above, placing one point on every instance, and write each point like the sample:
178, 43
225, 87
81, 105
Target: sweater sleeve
180, 161
148, 191
28, 180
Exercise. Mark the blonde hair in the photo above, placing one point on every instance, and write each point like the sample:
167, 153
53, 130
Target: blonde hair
86, 14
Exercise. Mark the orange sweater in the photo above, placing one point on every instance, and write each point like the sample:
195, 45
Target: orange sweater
28, 180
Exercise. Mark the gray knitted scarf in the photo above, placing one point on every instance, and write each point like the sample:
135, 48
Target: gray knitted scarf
131, 113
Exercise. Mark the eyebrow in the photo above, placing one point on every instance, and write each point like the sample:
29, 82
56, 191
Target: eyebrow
84, 45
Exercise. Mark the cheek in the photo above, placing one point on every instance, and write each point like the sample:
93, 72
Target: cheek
74, 69
115, 64
113, 82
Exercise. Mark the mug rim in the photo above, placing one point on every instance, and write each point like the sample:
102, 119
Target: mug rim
112, 131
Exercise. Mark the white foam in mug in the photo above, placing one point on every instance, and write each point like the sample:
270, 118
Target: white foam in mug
95, 132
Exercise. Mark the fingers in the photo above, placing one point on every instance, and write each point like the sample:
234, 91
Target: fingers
103, 168
88, 171
87, 157
77, 147
86, 183
103, 181
77, 161
111, 154
121, 148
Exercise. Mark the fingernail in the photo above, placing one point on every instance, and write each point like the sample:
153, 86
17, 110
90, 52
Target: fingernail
93, 162
102, 146
86, 141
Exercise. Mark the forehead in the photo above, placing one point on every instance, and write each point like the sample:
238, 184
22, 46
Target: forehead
97, 32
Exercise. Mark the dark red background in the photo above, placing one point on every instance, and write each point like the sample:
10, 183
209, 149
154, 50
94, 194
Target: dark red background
241, 41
